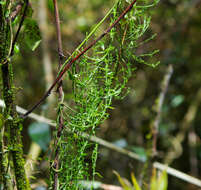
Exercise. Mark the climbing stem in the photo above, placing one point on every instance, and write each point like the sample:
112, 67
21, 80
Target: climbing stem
60, 98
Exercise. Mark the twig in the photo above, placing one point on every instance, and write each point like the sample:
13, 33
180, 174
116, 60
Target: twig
192, 141
185, 125
178, 174
34, 152
19, 28
170, 170
16, 11
159, 103
67, 66
60, 92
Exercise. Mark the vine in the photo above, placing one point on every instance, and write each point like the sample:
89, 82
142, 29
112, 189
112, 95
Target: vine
99, 73
98, 77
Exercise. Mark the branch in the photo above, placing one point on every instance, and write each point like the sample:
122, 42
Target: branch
170, 170
177, 174
67, 66
176, 149
19, 27
60, 93
14, 13
159, 104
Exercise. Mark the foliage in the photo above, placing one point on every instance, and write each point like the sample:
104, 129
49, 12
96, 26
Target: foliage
177, 24
98, 78
156, 182
31, 34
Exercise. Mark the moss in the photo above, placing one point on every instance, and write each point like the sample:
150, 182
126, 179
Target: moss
12, 132
13, 126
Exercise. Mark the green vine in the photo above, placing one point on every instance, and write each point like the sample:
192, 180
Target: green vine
97, 78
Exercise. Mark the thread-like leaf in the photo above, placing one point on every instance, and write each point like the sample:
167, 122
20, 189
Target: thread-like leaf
121, 181
135, 183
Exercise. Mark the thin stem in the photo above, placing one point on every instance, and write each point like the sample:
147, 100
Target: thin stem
67, 66
176, 149
60, 93
19, 27
159, 103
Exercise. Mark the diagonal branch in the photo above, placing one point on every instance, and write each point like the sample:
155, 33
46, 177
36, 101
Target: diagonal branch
67, 66
171, 171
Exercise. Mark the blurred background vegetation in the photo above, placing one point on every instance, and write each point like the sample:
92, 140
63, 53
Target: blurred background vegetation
177, 24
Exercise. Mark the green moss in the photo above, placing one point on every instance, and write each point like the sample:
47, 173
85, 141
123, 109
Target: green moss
12, 134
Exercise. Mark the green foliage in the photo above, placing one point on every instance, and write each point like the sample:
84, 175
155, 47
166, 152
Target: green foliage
32, 35
159, 182
1, 120
97, 78
16, 49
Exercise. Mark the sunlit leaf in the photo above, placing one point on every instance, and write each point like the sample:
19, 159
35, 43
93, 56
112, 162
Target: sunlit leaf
153, 183
1, 120
16, 49
121, 181
134, 181
162, 181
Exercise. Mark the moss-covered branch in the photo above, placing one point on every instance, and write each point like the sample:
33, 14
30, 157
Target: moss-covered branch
12, 130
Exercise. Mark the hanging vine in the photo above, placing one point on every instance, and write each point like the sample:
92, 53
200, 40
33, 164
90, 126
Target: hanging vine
100, 76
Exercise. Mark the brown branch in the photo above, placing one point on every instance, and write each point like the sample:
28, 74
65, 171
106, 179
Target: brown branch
60, 93
77, 57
